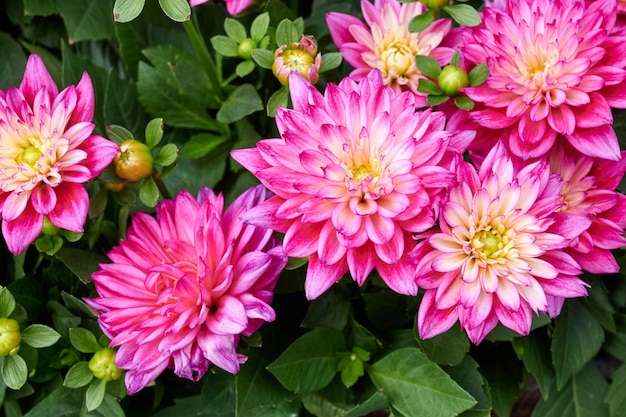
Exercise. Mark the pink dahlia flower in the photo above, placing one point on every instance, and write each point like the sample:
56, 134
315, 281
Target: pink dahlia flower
589, 190
386, 44
556, 68
356, 172
498, 255
234, 7
181, 288
47, 151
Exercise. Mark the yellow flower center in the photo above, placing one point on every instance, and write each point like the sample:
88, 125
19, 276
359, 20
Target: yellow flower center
30, 156
492, 242
361, 172
398, 55
297, 59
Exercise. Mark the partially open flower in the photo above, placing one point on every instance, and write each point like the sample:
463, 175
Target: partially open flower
134, 161
9, 337
298, 56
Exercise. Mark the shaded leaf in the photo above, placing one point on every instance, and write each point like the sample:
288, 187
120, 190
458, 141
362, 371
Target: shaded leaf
376, 402
13, 61
83, 340
243, 101
127, 10
448, 348
14, 371
615, 397
95, 394
534, 350
78, 375
81, 262
39, 336
235, 30
199, 145
7, 302
331, 309
83, 20
149, 192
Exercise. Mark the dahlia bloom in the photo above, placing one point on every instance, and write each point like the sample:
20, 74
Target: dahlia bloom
298, 56
234, 7
386, 44
556, 68
589, 190
181, 288
356, 172
47, 151
498, 254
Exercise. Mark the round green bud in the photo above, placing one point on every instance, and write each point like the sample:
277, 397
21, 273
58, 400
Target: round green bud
9, 337
134, 160
452, 79
245, 48
434, 4
103, 366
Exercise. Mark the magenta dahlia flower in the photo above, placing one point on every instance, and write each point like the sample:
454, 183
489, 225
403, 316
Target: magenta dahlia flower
589, 190
356, 172
386, 44
498, 255
234, 7
183, 287
555, 68
47, 152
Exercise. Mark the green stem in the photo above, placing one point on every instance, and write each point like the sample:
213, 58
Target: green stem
161, 186
206, 60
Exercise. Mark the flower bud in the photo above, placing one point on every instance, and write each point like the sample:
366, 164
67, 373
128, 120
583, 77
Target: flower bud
103, 366
245, 48
452, 79
48, 228
134, 161
298, 56
9, 337
434, 4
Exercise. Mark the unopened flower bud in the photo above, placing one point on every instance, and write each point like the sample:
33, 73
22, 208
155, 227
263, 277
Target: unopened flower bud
48, 228
103, 366
134, 161
245, 48
434, 4
452, 79
298, 56
9, 337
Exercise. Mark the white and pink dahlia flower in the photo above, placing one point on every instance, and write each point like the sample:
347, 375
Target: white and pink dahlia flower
356, 172
498, 254
183, 287
556, 67
384, 42
47, 151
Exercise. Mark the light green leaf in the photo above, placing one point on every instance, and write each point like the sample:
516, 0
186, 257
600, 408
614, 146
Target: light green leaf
263, 58
83, 340
351, 368
118, 134
149, 192
463, 14
436, 100
259, 27
177, 10
14, 371
39, 336
428, 66
7, 302
225, 45
577, 338
330, 61
95, 394
427, 86
84, 20
240, 103
581, 396
280, 98
287, 32
167, 155
421, 21
235, 30
415, 386
154, 132
201, 144
78, 375
309, 363
127, 10
464, 102
244, 68
478, 74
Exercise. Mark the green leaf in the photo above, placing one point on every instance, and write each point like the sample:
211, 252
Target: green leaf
244, 68
309, 363
242, 102
415, 386
427, 86
263, 58
149, 192
351, 368
534, 350
331, 309
581, 396
40, 8
76, 305
421, 21
62, 318
463, 14
616, 342
14, 371
505, 375
78, 375
280, 98
448, 348
84, 20
259, 26
118, 134
287, 32
330, 61
201, 144
436, 100
127, 10
376, 402
318, 405
7, 302
95, 394
467, 376
428, 66
235, 30
615, 397
154, 132
28, 292
83, 340
13, 62
225, 45
177, 10
577, 338
598, 303
39, 336
478, 74
167, 155
81, 262
464, 102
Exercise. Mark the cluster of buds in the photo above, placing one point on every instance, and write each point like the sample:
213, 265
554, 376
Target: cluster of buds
298, 56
